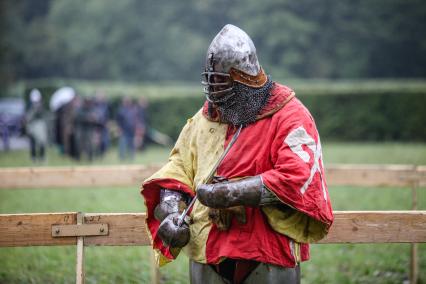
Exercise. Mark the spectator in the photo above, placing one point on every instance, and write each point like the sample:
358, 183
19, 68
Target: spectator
87, 124
36, 127
126, 120
64, 103
141, 123
102, 112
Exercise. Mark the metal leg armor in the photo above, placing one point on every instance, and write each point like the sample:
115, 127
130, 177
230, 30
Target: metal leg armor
271, 274
263, 273
203, 274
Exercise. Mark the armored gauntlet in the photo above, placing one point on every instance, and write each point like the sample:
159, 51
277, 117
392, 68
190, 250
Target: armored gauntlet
245, 192
167, 212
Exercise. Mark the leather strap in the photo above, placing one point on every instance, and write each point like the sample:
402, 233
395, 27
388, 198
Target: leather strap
257, 81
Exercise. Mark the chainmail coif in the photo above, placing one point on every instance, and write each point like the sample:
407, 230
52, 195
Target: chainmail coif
242, 107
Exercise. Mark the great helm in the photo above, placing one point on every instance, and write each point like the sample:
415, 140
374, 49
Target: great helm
231, 57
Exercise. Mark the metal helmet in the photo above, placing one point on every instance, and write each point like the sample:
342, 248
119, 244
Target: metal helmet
231, 57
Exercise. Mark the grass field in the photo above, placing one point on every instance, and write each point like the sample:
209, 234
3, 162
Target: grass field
383, 263
355, 153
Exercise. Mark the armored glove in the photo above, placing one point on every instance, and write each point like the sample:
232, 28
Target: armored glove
171, 234
167, 211
245, 192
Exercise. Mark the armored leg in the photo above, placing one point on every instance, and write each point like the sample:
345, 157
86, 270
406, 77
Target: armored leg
271, 274
264, 273
200, 273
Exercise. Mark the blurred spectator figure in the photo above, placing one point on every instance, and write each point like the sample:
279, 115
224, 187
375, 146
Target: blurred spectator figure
141, 123
63, 104
12, 120
36, 127
87, 129
126, 121
102, 111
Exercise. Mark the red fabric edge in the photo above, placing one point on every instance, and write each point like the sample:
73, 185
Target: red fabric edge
151, 192
283, 197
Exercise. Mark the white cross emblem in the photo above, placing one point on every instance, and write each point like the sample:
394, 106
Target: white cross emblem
295, 139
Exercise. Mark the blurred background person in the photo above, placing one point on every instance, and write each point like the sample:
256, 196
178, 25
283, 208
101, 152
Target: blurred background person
102, 113
141, 123
126, 121
12, 123
36, 127
63, 104
87, 129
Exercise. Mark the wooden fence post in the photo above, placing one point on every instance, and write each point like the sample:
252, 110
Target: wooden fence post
80, 253
414, 268
155, 273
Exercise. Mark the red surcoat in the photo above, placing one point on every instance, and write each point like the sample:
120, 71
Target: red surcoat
284, 148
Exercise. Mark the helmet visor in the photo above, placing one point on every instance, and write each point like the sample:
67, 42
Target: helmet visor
216, 85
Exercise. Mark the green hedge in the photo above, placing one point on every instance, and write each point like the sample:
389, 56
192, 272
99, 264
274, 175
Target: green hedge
366, 110
170, 115
378, 117
349, 117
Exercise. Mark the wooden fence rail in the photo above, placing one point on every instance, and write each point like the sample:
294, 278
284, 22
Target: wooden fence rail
133, 175
129, 229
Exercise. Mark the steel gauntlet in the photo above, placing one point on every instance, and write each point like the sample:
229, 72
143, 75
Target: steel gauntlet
245, 192
167, 212
170, 201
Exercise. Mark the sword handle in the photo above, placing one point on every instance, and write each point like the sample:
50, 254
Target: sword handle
185, 212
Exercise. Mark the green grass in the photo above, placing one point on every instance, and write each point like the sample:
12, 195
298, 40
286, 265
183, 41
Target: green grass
379, 263
375, 153
21, 158
354, 153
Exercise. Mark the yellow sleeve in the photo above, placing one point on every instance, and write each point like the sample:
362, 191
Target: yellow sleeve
294, 224
181, 160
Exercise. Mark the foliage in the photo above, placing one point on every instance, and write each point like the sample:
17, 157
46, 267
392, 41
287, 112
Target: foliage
379, 116
146, 40
170, 115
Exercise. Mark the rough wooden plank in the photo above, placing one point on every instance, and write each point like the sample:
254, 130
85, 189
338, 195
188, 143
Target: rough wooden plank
125, 229
82, 176
128, 229
34, 229
133, 175
372, 175
378, 227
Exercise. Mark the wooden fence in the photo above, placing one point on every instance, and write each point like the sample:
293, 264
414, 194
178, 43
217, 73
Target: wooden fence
129, 229
99, 176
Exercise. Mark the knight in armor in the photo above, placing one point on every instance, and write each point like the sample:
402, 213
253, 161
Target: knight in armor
252, 222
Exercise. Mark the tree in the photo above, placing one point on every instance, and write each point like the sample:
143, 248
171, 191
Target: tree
146, 40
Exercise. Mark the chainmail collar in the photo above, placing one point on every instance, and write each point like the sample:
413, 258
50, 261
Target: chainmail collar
244, 105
